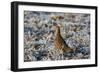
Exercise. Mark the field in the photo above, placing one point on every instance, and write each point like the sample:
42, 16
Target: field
39, 39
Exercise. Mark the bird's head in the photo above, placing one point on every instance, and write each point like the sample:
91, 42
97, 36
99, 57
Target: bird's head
56, 26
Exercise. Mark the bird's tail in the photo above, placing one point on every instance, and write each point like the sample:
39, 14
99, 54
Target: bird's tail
68, 50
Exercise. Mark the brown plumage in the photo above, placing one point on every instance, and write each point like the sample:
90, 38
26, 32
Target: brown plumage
59, 42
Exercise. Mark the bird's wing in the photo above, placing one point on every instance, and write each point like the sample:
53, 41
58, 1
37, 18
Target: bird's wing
64, 43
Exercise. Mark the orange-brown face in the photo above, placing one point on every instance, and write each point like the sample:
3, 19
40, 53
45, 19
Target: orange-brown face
55, 27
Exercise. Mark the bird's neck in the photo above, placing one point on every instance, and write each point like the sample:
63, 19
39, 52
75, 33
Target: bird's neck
58, 32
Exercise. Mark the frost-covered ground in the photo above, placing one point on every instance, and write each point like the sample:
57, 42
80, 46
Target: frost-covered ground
39, 39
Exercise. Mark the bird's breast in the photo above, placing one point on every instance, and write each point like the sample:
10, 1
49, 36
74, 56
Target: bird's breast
58, 42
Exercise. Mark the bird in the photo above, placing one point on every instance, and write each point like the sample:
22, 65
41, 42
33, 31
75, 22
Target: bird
59, 42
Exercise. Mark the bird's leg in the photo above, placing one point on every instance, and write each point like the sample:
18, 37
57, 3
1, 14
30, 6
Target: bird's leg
62, 55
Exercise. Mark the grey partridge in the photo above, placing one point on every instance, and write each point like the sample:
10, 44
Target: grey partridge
59, 42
